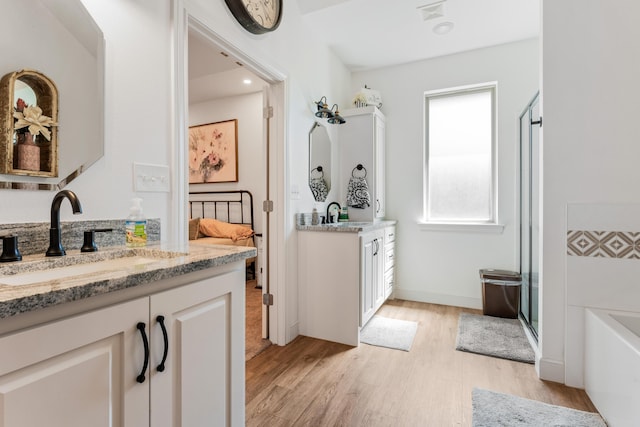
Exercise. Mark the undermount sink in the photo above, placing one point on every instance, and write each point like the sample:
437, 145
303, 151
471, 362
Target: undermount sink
73, 266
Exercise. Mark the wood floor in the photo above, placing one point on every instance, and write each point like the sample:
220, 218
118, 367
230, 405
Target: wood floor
312, 382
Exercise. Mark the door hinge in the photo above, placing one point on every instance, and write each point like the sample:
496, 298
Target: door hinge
267, 299
267, 112
267, 206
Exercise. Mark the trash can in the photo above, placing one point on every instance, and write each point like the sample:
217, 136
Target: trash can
500, 293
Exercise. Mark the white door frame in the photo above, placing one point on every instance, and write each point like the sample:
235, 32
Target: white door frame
181, 22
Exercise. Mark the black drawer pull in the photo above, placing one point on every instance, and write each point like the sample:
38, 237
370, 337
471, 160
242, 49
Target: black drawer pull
165, 336
141, 327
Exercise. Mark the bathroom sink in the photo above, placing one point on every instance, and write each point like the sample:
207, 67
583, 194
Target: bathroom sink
74, 266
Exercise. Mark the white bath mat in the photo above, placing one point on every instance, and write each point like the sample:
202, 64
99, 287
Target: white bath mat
493, 336
391, 333
491, 409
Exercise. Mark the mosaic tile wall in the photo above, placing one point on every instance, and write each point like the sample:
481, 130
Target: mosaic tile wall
604, 244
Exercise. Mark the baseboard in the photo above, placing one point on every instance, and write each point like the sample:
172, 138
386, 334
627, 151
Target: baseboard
551, 370
442, 299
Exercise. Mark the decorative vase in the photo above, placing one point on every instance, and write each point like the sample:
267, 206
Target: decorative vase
28, 153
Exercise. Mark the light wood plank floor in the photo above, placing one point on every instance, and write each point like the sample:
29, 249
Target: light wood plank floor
312, 382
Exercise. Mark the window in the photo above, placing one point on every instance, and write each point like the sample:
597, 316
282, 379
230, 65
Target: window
460, 170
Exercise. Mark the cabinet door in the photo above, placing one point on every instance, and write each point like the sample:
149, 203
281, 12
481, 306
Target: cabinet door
378, 266
203, 380
75, 372
372, 286
367, 286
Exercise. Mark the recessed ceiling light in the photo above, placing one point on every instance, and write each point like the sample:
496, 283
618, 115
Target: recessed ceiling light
443, 28
246, 81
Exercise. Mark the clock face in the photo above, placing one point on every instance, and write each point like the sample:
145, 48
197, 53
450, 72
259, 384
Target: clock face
257, 16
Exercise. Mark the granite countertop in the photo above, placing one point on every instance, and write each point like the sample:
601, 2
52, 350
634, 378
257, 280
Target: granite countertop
155, 262
346, 227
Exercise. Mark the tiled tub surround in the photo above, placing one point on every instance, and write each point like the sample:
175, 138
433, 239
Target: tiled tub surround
167, 263
33, 238
604, 244
602, 251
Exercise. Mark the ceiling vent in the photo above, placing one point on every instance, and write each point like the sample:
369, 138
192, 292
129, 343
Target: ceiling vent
432, 10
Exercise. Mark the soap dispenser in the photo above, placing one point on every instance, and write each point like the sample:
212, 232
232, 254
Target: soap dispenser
136, 225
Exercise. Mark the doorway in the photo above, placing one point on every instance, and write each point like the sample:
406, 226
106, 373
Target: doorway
222, 87
530, 123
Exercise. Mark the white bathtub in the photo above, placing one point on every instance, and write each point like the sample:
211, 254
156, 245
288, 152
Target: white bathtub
612, 365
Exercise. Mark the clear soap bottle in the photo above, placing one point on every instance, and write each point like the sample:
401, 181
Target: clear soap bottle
136, 225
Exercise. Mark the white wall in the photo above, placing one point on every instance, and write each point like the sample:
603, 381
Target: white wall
137, 117
247, 109
438, 266
590, 92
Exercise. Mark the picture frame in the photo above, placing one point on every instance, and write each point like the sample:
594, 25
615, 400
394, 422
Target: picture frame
213, 152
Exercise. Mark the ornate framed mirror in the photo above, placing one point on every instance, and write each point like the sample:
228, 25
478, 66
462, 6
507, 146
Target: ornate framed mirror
29, 131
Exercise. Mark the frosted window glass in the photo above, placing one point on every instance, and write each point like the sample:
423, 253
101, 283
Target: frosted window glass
460, 139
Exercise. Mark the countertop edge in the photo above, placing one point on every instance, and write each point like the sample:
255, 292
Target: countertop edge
346, 227
15, 300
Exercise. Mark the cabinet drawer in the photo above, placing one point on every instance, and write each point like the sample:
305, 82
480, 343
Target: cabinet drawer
390, 235
388, 283
389, 257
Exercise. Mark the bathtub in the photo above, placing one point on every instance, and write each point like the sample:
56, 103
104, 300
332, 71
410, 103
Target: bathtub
612, 365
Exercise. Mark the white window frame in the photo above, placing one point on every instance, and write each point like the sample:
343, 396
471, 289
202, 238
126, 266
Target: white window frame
492, 224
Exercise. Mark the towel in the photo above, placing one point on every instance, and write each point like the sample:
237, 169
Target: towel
358, 193
319, 189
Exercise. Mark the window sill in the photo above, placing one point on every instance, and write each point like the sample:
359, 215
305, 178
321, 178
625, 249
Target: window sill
468, 227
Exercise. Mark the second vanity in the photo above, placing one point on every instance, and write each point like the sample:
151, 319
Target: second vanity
345, 273
153, 336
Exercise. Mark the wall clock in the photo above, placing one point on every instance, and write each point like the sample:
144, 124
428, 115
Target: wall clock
257, 16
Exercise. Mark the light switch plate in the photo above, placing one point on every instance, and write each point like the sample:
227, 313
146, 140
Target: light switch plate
148, 177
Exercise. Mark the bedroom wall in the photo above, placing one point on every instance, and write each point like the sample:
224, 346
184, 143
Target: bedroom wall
247, 109
442, 266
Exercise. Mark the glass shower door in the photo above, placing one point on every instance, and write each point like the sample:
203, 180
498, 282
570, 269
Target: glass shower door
530, 123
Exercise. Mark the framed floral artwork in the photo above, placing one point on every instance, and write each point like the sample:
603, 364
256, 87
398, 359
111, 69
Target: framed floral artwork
213, 152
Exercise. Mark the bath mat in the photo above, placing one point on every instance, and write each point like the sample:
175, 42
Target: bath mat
491, 409
493, 336
391, 333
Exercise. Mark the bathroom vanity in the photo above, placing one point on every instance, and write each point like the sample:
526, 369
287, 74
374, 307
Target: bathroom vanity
143, 337
345, 273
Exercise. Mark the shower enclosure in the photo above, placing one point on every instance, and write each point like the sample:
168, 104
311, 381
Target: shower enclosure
530, 123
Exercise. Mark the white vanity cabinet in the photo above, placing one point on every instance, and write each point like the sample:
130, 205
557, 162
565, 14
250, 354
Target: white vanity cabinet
362, 142
342, 281
86, 370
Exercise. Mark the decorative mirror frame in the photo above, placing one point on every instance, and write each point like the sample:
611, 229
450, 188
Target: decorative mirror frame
47, 99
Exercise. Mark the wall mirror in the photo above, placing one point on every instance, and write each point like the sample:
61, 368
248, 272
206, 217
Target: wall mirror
319, 162
59, 54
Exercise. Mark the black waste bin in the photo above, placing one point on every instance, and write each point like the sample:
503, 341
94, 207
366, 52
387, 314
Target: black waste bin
500, 292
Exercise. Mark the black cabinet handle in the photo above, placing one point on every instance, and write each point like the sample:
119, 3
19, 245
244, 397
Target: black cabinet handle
165, 336
141, 327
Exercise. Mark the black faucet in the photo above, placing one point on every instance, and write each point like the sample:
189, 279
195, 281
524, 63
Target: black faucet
55, 236
329, 218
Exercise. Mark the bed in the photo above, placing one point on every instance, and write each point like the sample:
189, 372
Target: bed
223, 218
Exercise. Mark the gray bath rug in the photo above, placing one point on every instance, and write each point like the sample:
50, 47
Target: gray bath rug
391, 333
493, 336
491, 409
